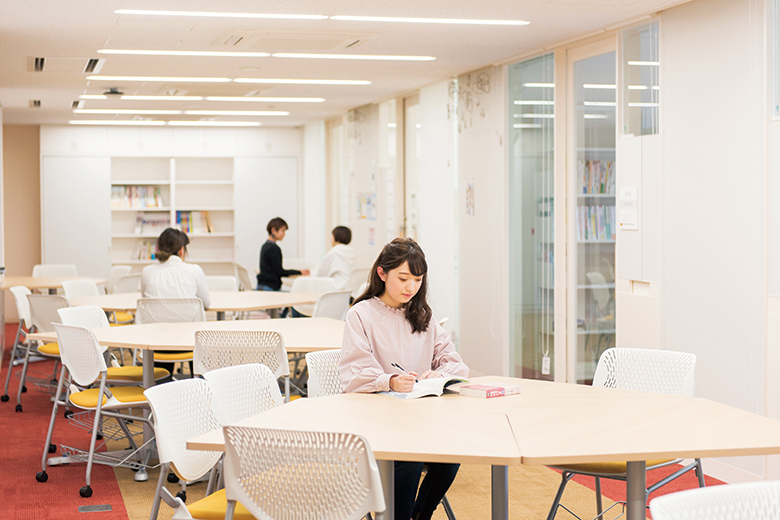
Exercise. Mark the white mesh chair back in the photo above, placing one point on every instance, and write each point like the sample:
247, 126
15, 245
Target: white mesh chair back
43, 310
244, 279
169, 310
87, 316
182, 410
81, 353
20, 293
332, 305
41, 270
79, 288
128, 283
749, 501
324, 377
114, 274
647, 370
222, 283
243, 391
279, 474
313, 285
215, 349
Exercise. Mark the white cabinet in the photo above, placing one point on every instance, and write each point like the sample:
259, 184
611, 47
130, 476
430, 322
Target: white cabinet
75, 205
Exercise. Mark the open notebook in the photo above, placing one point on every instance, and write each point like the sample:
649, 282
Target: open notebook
426, 387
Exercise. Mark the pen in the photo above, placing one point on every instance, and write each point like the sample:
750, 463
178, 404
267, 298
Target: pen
399, 367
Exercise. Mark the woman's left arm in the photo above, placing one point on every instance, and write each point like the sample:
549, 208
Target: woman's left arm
446, 359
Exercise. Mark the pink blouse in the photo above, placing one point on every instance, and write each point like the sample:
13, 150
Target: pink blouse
376, 335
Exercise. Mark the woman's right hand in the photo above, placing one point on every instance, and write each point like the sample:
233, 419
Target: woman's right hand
403, 382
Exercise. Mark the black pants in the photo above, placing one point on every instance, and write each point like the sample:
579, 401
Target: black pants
437, 481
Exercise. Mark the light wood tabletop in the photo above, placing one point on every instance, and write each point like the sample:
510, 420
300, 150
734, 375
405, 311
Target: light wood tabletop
44, 282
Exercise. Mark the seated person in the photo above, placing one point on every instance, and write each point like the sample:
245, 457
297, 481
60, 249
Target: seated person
271, 270
339, 261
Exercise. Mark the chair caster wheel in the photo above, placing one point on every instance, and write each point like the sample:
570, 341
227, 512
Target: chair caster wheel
68, 414
172, 478
24, 389
4, 398
182, 495
19, 408
86, 491
41, 476
141, 475
52, 448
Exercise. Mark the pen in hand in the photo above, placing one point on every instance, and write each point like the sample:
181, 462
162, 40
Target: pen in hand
399, 367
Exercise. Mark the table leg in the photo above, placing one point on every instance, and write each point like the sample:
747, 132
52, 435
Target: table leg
220, 315
53, 290
636, 486
499, 480
387, 474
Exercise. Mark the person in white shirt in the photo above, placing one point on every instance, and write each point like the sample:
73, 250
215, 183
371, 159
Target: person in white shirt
339, 261
173, 277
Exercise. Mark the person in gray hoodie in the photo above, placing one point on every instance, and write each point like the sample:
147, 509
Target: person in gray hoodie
339, 261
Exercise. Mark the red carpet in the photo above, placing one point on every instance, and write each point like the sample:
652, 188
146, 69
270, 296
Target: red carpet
21, 496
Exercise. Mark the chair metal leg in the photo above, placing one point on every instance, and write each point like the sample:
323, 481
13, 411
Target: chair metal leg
231, 508
599, 508
448, 508
157, 493
565, 478
699, 472
11, 361
22, 378
41, 477
87, 490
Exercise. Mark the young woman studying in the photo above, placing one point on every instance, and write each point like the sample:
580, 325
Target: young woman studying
391, 324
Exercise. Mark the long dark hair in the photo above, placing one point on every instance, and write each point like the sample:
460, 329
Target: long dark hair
170, 242
400, 250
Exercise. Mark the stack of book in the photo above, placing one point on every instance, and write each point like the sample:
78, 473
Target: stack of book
596, 176
596, 223
136, 197
194, 221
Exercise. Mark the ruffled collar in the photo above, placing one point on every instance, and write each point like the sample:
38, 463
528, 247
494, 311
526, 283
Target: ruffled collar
386, 309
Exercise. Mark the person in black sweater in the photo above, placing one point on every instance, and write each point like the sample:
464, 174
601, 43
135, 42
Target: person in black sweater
271, 270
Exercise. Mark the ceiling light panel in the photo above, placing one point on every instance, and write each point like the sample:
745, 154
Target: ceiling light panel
115, 122
378, 57
215, 54
162, 98
214, 123
123, 111
209, 14
159, 78
456, 21
258, 99
237, 113
304, 81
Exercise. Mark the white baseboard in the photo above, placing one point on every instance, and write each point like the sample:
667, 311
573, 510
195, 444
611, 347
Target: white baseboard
722, 470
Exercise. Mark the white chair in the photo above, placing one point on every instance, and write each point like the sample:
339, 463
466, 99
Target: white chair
280, 474
748, 501
312, 285
170, 310
242, 391
183, 410
21, 347
128, 283
324, 377
82, 355
79, 288
114, 274
42, 270
332, 305
644, 370
245, 282
215, 349
222, 283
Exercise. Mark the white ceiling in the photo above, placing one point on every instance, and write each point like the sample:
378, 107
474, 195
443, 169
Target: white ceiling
78, 28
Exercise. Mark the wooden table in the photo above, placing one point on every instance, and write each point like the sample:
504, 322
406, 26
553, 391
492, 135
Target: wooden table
221, 301
551, 423
52, 283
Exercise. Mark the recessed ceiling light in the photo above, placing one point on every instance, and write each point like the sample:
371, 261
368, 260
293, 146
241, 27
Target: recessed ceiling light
146, 12
599, 103
304, 81
220, 54
599, 86
643, 105
259, 99
163, 98
637, 87
649, 63
93, 96
539, 85
539, 116
594, 116
428, 20
130, 122
391, 125
236, 113
531, 102
526, 125
214, 123
352, 56
122, 111
159, 78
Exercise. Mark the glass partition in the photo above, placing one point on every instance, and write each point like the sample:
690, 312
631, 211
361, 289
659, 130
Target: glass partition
640, 80
532, 209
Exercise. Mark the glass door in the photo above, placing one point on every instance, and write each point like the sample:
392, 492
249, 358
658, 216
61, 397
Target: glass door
592, 224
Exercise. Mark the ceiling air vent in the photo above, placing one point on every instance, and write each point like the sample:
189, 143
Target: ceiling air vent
91, 64
39, 62
65, 65
77, 104
35, 103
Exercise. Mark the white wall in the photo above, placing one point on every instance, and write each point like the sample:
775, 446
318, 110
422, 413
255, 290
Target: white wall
483, 298
315, 234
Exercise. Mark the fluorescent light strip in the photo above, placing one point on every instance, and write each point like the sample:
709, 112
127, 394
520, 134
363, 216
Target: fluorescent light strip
159, 78
259, 99
533, 103
236, 113
428, 20
380, 57
391, 125
304, 81
145, 12
637, 87
539, 85
599, 86
122, 111
526, 125
128, 122
214, 54
599, 103
214, 123
93, 96
594, 116
162, 98
650, 63
643, 105
539, 116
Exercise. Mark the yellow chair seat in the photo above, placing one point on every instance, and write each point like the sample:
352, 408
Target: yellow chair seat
173, 356
124, 394
134, 374
122, 317
49, 349
118, 324
213, 508
614, 468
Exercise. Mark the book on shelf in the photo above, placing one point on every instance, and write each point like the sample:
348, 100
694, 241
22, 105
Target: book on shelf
596, 223
136, 197
425, 387
596, 176
144, 251
488, 390
194, 221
